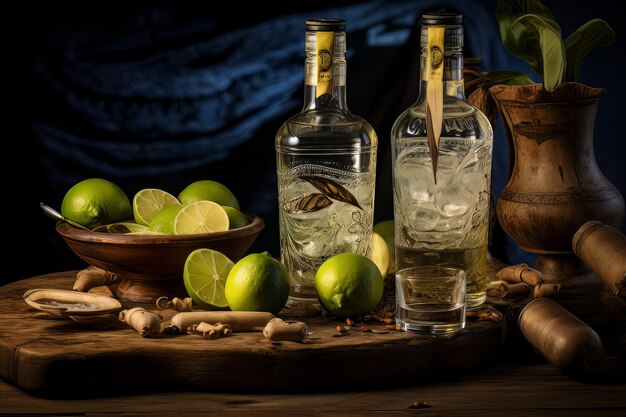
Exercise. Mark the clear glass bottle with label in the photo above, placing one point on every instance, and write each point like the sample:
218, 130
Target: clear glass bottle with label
442, 219
326, 165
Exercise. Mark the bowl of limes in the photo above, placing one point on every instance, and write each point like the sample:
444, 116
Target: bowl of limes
147, 241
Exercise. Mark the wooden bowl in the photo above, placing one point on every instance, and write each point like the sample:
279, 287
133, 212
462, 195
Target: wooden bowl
151, 266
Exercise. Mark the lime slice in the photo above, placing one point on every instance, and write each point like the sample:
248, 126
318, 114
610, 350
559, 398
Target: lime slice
201, 217
205, 275
148, 202
380, 254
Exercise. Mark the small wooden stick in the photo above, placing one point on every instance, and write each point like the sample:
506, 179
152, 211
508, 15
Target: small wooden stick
210, 331
280, 330
520, 273
175, 303
145, 322
547, 290
94, 277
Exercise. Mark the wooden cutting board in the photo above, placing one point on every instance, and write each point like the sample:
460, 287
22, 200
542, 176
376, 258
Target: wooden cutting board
62, 355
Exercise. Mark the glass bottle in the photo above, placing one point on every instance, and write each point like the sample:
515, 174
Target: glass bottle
442, 219
326, 165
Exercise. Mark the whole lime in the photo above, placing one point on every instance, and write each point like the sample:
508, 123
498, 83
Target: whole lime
94, 202
236, 219
210, 191
257, 282
348, 285
163, 221
387, 230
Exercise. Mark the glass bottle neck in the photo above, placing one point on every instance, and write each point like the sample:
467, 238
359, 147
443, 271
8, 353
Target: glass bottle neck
325, 71
453, 85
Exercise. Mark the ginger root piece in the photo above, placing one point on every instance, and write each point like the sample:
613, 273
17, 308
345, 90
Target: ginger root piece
563, 339
520, 273
175, 303
279, 330
518, 290
547, 290
210, 331
145, 322
94, 277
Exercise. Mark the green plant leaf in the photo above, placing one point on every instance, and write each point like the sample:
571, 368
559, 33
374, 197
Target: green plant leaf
515, 37
530, 31
583, 43
550, 62
509, 77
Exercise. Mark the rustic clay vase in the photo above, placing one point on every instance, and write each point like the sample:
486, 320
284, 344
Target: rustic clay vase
555, 185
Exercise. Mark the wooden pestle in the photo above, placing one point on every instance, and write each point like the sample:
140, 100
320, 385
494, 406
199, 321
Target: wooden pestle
563, 339
603, 249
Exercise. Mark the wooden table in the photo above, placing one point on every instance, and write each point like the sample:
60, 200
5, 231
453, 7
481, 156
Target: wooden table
504, 389
504, 386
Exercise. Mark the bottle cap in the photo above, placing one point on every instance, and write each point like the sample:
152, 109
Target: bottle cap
442, 19
326, 25
453, 38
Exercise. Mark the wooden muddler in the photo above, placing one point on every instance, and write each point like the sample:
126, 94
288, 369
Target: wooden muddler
603, 249
564, 340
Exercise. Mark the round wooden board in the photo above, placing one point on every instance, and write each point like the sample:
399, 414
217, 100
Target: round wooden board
63, 355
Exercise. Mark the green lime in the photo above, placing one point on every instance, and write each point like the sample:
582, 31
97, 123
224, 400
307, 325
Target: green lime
380, 254
348, 285
201, 217
148, 202
236, 219
387, 231
163, 221
94, 202
257, 282
210, 191
205, 274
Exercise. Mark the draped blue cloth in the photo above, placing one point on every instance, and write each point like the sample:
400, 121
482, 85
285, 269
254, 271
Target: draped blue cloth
160, 98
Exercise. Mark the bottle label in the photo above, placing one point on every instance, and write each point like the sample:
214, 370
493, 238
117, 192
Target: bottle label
434, 91
325, 42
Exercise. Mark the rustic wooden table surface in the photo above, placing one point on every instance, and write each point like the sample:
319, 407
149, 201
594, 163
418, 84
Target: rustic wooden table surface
507, 385
500, 390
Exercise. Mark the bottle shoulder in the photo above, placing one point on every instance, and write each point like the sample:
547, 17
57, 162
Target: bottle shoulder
460, 119
326, 128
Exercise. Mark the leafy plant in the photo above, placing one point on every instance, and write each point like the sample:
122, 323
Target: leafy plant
530, 31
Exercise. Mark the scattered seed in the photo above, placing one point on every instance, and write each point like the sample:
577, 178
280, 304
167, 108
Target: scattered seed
420, 404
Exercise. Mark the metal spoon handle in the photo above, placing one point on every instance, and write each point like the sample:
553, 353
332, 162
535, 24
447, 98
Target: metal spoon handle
52, 213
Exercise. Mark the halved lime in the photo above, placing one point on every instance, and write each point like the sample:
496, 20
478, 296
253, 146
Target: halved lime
201, 217
205, 275
148, 202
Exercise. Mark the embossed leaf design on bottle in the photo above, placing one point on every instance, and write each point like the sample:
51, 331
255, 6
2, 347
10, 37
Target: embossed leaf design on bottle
307, 204
332, 189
